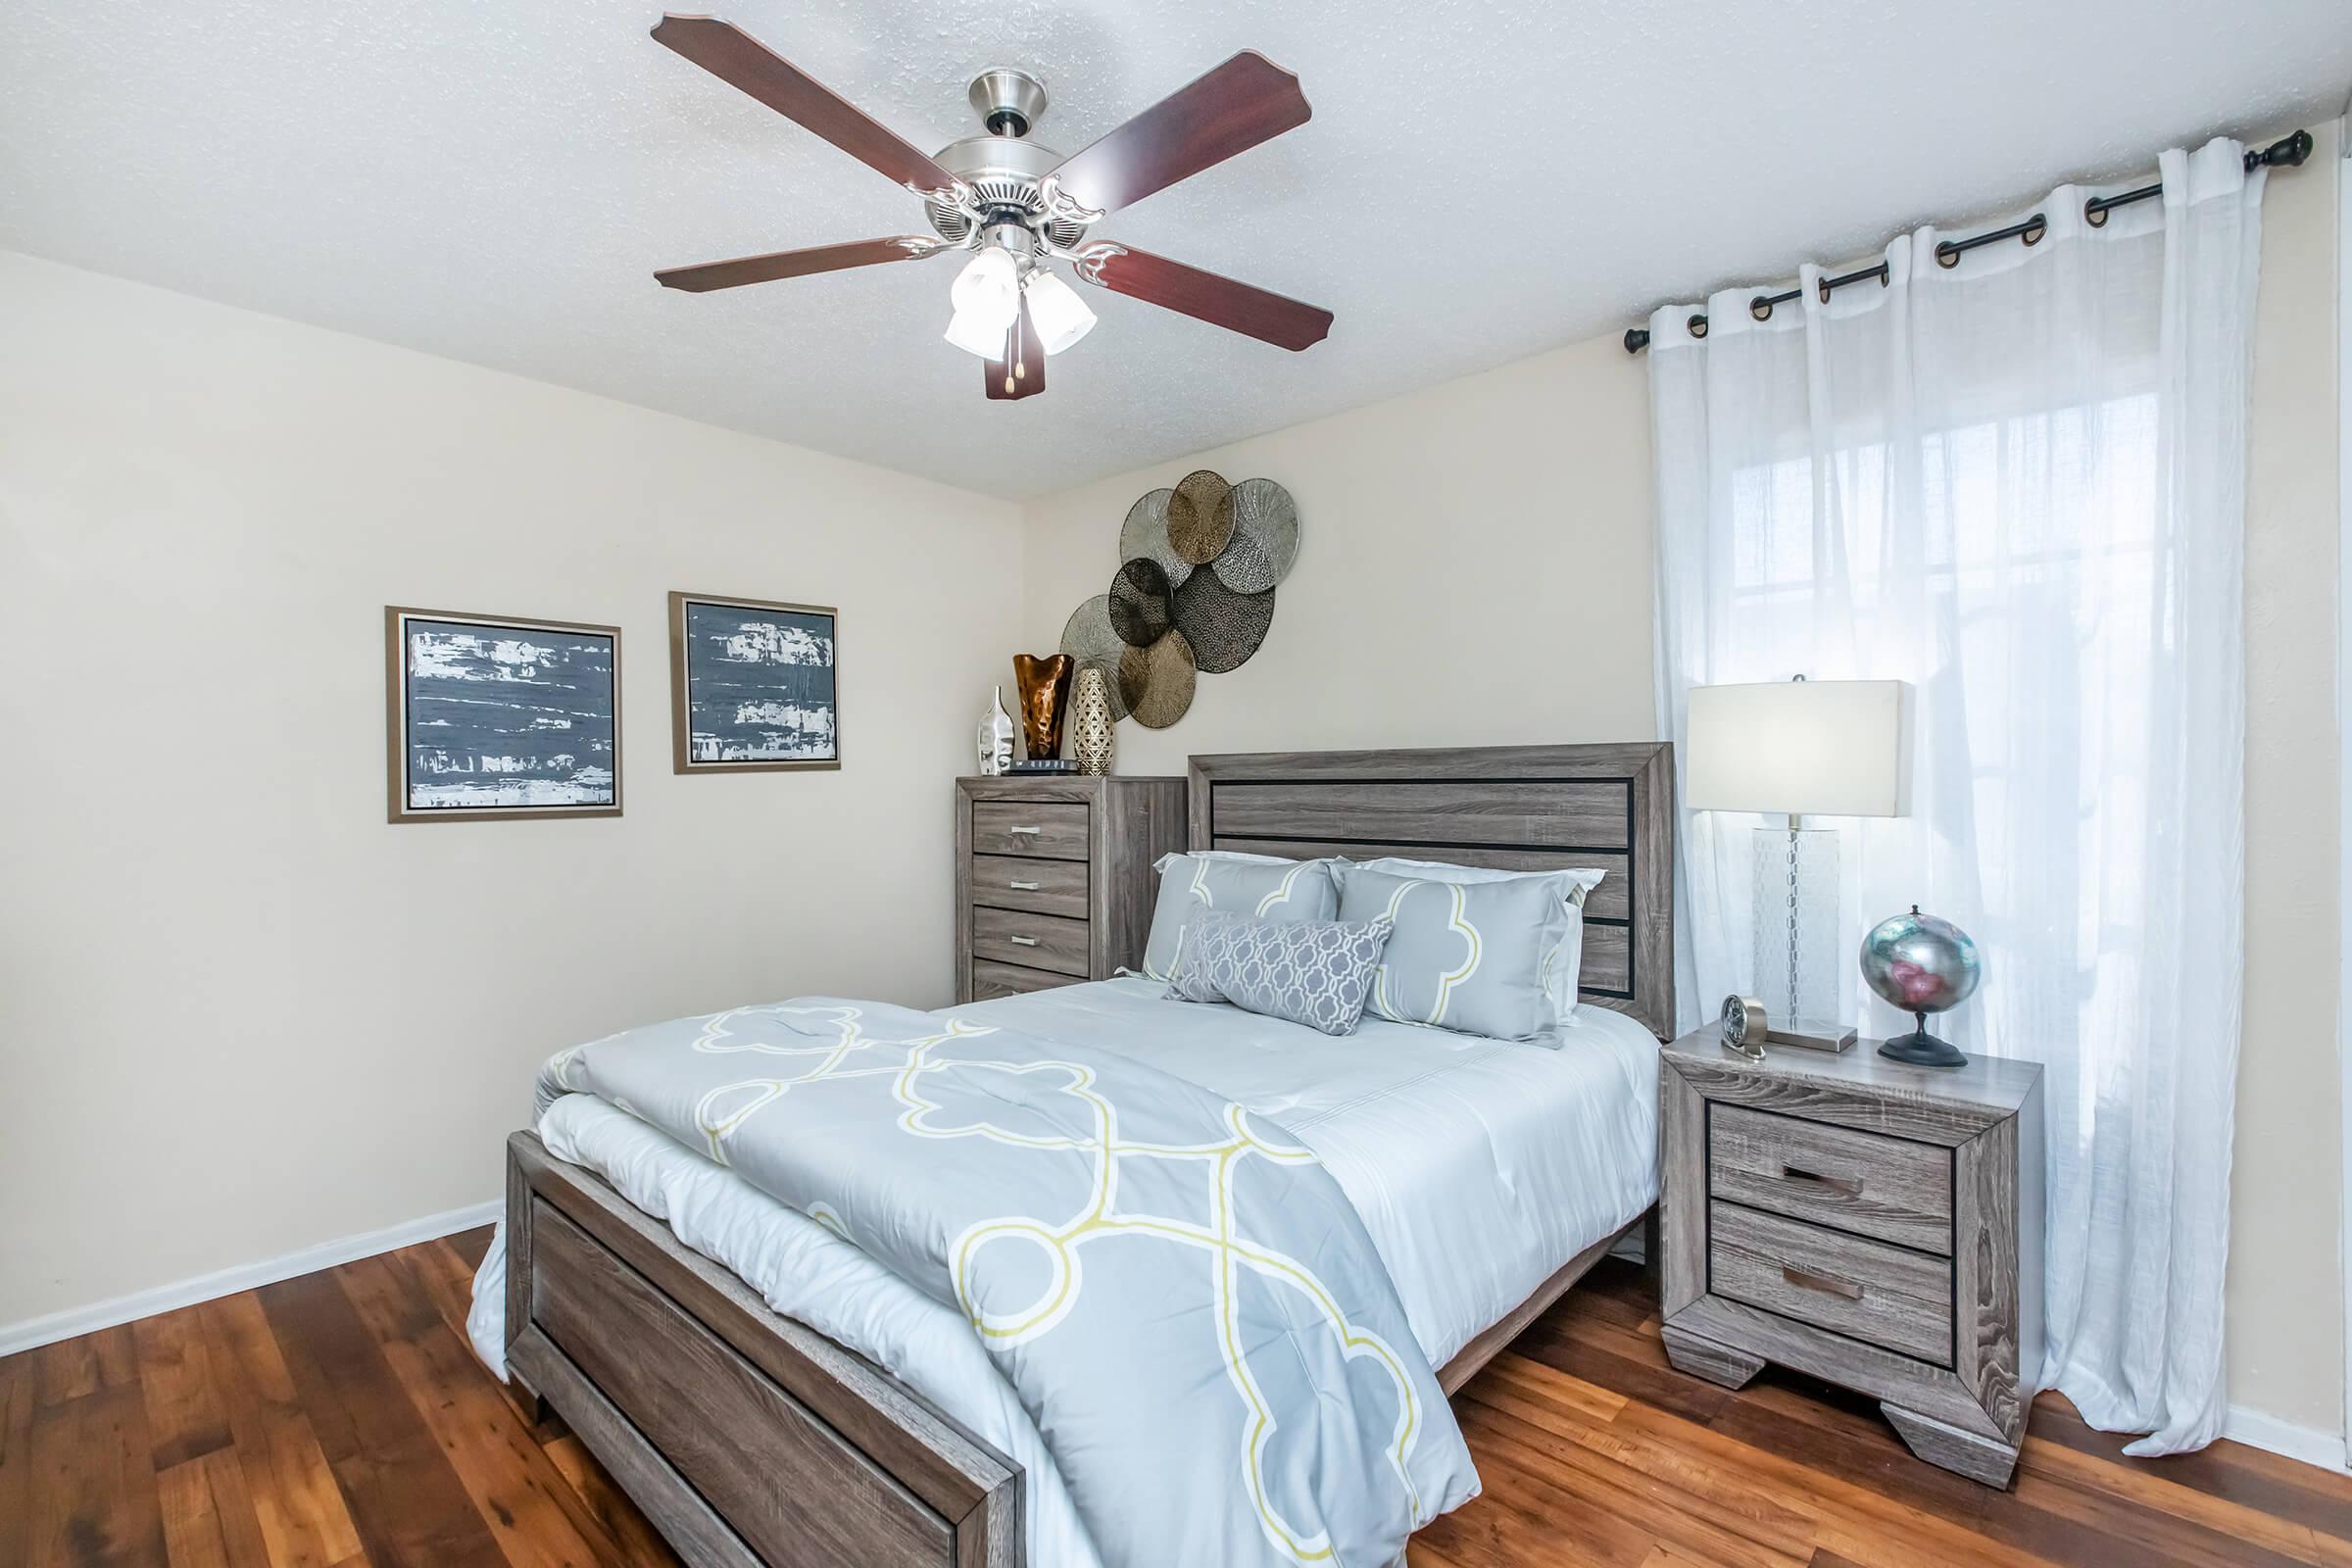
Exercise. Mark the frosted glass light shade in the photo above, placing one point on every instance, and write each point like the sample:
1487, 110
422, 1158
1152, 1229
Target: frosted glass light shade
1809, 748
988, 289
977, 332
1060, 315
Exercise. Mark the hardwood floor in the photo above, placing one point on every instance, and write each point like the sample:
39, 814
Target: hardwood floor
339, 1419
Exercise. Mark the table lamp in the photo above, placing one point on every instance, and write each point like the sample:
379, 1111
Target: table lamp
1803, 748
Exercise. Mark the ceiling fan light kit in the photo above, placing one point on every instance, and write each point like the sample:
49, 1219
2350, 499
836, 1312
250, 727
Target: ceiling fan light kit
1018, 206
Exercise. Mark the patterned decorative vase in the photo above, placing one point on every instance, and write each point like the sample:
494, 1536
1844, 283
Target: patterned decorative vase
1091, 736
1044, 682
995, 738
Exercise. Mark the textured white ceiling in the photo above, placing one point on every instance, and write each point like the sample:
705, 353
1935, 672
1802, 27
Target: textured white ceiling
1482, 180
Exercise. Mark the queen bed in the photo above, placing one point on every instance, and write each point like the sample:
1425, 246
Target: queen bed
771, 1394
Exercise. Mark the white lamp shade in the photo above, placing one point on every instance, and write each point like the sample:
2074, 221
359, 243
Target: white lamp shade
988, 289
1060, 315
1809, 748
977, 332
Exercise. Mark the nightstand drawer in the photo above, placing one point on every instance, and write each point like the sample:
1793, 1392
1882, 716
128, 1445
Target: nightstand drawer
990, 979
1032, 941
1888, 1188
1054, 829
1042, 887
1867, 1290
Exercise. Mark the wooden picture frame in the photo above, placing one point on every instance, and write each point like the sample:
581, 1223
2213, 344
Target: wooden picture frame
773, 690
565, 705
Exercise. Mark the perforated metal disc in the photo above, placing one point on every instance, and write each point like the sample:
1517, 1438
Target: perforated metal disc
1266, 537
1199, 521
1159, 681
1089, 639
1146, 534
1224, 627
1141, 605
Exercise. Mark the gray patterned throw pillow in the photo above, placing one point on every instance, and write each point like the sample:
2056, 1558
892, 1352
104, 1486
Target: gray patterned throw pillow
1474, 956
1252, 885
1313, 972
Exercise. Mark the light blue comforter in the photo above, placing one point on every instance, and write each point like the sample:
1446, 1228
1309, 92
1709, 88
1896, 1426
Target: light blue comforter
1182, 1298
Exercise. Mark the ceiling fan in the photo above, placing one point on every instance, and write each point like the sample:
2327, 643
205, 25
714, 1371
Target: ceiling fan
1018, 206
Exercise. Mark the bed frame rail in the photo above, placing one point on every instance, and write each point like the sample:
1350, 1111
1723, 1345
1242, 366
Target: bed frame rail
749, 1440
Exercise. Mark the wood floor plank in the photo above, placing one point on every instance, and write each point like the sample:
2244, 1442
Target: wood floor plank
184, 1417
407, 1504
209, 1517
607, 1505
298, 1505
95, 1502
516, 1487
20, 1381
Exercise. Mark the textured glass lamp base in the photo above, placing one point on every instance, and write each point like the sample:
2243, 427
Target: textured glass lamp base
1798, 958
1923, 1049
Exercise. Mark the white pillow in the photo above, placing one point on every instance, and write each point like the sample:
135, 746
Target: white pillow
1579, 881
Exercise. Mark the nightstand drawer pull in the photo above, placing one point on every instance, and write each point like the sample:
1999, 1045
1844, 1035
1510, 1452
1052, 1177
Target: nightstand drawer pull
1022, 942
1820, 1282
1022, 887
1026, 832
1850, 1186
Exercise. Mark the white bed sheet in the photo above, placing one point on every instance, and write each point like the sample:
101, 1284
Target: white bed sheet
1479, 1168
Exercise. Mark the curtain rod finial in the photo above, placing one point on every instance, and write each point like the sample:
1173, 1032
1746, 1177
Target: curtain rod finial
1637, 340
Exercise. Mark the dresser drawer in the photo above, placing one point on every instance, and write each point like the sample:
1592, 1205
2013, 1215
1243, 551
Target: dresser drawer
1888, 1188
1031, 941
1042, 887
990, 979
1054, 829
1867, 1290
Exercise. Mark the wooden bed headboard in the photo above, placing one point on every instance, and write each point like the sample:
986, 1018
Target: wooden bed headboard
1512, 808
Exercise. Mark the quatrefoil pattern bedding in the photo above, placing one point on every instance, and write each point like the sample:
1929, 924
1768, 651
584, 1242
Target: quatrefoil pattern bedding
1474, 956
1266, 889
1314, 972
1180, 1294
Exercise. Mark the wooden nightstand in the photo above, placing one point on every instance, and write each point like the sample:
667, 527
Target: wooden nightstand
1875, 1225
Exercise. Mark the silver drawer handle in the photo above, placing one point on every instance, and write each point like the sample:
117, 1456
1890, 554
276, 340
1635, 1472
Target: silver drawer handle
1821, 1282
1022, 942
1022, 887
1025, 832
1851, 1188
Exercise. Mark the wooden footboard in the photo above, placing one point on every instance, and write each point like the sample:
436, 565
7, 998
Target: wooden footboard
748, 1438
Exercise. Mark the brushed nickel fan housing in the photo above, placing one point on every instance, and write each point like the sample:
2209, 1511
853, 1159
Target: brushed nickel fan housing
1003, 168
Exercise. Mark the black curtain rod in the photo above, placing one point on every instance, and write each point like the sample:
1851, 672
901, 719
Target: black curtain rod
2287, 150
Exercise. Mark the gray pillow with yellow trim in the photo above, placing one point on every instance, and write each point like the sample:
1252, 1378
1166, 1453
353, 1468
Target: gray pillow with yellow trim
1263, 888
1474, 956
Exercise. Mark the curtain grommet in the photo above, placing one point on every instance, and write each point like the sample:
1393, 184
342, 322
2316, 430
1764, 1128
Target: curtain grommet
2094, 215
2036, 227
1760, 308
1947, 256
1698, 325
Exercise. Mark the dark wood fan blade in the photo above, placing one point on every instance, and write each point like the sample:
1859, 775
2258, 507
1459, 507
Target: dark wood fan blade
1246, 100
797, 264
1257, 313
1025, 377
742, 60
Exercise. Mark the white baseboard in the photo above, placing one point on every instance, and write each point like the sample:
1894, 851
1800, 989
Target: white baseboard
2258, 1431
67, 1325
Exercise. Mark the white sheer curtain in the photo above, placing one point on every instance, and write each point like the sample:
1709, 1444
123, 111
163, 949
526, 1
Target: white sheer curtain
2018, 484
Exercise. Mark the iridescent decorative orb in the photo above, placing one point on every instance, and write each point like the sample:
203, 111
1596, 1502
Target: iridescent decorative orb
1921, 963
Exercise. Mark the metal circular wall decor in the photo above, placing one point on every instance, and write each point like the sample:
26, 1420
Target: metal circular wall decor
1089, 639
1146, 533
1264, 542
1194, 594
1224, 627
1159, 681
1199, 521
1141, 607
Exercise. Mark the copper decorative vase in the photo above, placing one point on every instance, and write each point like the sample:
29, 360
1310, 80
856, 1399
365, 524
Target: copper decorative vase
1090, 741
1044, 682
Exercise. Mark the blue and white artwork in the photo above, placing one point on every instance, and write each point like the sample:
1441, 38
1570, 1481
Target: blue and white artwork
507, 717
758, 685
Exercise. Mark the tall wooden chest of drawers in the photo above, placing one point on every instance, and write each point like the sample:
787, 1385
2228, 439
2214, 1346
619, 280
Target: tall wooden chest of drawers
1875, 1224
1053, 880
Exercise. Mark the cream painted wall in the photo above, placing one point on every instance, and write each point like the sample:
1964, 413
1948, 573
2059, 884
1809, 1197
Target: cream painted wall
1508, 513
241, 1014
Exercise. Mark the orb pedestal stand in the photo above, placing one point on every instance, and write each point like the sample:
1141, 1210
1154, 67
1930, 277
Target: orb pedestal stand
1923, 1049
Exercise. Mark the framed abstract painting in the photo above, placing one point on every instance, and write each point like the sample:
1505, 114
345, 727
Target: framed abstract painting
500, 716
752, 685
